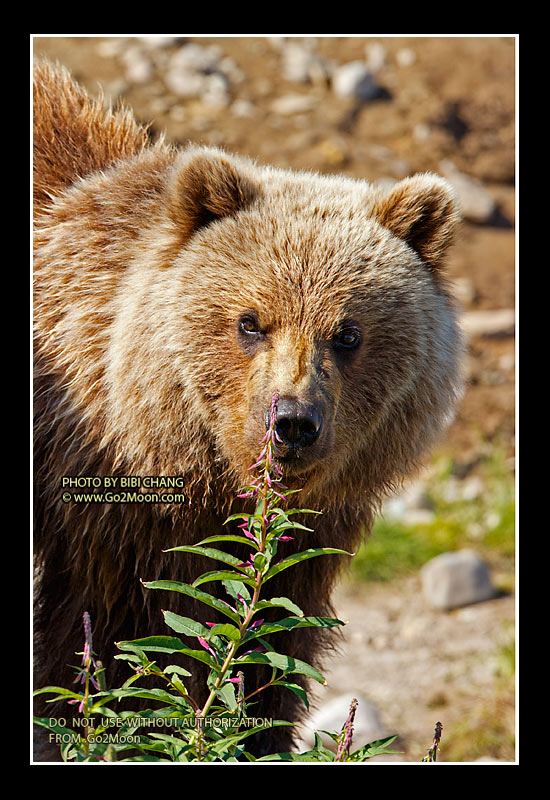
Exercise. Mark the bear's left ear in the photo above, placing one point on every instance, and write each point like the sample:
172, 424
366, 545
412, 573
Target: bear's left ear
423, 211
207, 185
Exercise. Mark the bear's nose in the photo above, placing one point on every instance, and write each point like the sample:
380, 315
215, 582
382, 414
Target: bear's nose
298, 423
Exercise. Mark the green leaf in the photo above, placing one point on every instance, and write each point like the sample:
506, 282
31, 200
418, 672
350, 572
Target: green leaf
189, 627
221, 576
297, 557
294, 687
279, 602
211, 552
289, 623
226, 693
285, 663
160, 644
275, 529
237, 516
151, 694
229, 741
260, 561
175, 668
320, 749
52, 725
236, 588
310, 755
93, 709
168, 644
196, 594
376, 748
59, 691
127, 657
230, 538
132, 679
230, 631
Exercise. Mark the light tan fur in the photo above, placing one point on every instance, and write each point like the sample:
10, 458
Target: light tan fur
146, 259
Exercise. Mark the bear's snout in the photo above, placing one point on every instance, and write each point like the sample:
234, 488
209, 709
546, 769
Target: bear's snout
298, 423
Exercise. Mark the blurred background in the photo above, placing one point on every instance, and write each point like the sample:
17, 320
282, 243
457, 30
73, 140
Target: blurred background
431, 600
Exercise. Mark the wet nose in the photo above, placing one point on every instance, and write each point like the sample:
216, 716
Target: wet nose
298, 423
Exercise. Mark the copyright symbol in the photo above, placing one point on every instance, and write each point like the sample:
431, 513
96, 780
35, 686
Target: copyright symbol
66, 497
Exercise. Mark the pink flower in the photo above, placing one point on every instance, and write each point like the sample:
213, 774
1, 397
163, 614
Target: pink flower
206, 646
347, 734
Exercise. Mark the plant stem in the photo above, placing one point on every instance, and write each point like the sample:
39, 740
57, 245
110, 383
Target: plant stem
244, 625
263, 491
86, 713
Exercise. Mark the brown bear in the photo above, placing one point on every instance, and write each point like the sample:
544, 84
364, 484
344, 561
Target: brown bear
174, 291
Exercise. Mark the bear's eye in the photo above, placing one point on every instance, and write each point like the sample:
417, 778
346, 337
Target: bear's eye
347, 338
249, 325
250, 334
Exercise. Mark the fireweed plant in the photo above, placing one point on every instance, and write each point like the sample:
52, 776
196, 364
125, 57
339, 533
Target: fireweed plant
218, 729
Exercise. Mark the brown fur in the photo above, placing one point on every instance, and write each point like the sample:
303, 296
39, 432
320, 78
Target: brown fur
146, 259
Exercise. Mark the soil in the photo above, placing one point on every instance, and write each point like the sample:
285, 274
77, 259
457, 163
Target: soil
440, 98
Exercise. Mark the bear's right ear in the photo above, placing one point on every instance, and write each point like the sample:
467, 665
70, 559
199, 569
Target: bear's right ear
207, 185
423, 211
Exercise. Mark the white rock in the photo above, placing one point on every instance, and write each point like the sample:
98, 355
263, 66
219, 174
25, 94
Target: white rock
111, 48
498, 323
243, 108
476, 203
463, 289
472, 488
456, 579
353, 80
332, 715
375, 56
185, 83
139, 70
412, 498
216, 90
293, 104
405, 57
422, 132
198, 71
196, 57
161, 41
302, 65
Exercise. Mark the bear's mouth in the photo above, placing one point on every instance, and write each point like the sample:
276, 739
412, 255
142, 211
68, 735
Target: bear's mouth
296, 461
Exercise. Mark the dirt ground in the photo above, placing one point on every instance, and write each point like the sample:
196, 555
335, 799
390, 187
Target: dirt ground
437, 99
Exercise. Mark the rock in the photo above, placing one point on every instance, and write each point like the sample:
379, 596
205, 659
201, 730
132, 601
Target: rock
243, 108
333, 152
161, 42
472, 488
411, 506
375, 56
422, 133
111, 48
476, 203
185, 83
293, 104
332, 716
301, 65
405, 57
196, 58
464, 290
216, 90
498, 324
456, 579
198, 71
139, 68
355, 80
